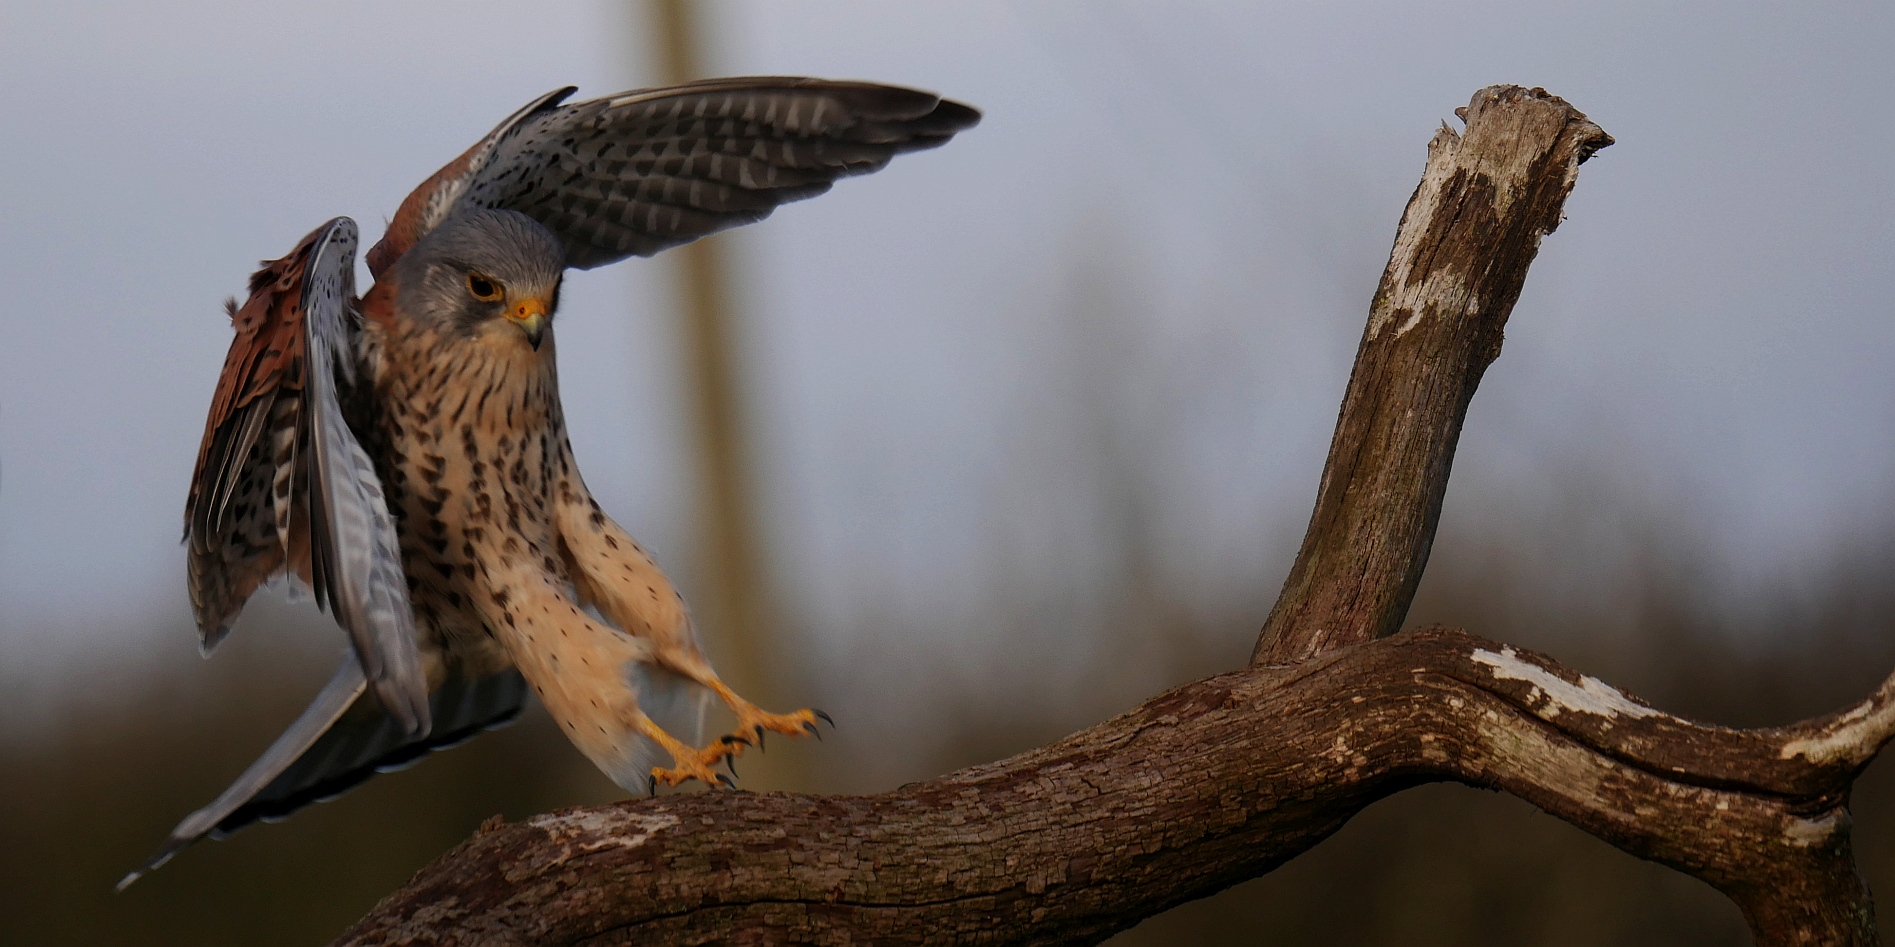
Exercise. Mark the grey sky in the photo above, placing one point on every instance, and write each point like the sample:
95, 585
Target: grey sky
1711, 328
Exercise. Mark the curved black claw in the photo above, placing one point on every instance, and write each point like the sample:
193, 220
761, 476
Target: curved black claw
825, 718
654, 786
730, 738
724, 781
760, 748
810, 729
730, 762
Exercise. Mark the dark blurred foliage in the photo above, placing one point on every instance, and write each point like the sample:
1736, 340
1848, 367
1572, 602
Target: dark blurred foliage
104, 773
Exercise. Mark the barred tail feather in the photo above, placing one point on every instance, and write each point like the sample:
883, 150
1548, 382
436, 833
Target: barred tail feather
329, 705
342, 739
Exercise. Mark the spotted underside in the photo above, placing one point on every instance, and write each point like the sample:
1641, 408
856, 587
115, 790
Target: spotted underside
495, 521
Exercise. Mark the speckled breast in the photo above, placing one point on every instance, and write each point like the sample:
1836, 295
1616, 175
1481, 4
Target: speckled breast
475, 443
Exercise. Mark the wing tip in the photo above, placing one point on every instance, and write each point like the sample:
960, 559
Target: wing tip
171, 847
959, 115
210, 634
935, 128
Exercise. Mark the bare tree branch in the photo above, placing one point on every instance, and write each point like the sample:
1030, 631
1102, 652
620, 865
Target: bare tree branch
1461, 255
1224, 779
1202, 787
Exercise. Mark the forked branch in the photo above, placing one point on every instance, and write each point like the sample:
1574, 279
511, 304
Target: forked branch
1224, 779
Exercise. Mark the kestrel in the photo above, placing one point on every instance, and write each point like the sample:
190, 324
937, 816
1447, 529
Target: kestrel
404, 455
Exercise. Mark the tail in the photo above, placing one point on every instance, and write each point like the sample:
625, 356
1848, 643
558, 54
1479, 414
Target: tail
340, 740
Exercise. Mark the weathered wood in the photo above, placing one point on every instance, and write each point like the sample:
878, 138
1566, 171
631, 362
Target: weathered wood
1202, 787
1226, 778
1461, 255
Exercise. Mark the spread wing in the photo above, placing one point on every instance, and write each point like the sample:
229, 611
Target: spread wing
282, 486
338, 742
632, 174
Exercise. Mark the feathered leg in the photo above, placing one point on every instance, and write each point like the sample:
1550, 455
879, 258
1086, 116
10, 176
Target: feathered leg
614, 574
593, 679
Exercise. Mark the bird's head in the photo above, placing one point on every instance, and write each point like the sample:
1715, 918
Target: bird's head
484, 272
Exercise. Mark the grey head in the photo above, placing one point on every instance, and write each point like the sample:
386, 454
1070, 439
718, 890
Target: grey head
483, 271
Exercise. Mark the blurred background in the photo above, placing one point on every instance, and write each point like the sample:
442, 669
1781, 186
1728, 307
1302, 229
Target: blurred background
1014, 434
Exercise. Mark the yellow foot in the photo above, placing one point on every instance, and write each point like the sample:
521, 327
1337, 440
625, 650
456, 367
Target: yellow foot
697, 764
752, 724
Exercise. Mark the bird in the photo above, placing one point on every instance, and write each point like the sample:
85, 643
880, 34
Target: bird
403, 456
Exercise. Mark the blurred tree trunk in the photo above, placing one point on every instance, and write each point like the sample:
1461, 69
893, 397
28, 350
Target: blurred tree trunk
1226, 778
729, 606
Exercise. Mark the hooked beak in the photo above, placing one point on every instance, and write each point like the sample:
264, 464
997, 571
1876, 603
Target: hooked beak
530, 316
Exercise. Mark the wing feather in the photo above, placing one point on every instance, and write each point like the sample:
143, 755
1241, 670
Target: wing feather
230, 514
281, 475
354, 545
635, 173
425, 207
229, 473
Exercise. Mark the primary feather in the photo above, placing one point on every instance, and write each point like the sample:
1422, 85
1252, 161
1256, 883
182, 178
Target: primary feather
355, 554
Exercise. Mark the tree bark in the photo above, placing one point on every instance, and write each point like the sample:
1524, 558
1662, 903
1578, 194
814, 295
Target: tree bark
1461, 255
1224, 779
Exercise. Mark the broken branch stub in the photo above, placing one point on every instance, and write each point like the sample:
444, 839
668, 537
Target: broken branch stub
1461, 255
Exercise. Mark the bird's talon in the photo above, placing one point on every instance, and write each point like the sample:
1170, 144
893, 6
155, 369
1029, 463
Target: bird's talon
825, 718
654, 786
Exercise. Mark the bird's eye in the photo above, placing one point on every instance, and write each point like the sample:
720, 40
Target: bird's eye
484, 289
